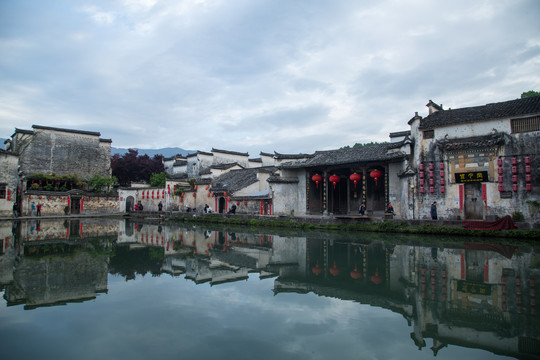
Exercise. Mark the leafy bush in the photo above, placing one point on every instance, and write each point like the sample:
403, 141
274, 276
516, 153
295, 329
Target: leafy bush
517, 216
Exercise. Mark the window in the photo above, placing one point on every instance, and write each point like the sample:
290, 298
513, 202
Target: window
429, 134
526, 124
3, 191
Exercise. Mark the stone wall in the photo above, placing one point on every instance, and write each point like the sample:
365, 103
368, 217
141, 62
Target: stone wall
8, 179
66, 152
55, 203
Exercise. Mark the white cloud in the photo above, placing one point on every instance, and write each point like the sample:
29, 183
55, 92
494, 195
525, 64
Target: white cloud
293, 77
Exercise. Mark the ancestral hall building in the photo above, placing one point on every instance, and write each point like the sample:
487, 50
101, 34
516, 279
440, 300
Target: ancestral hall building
479, 162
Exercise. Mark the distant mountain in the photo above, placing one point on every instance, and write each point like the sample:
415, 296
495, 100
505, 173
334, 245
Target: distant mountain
166, 152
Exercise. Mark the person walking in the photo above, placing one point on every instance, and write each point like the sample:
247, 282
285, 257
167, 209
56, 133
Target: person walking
434, 210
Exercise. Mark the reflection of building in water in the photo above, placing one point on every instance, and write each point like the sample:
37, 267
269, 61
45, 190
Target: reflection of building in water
54, 262
57, 279
476, 295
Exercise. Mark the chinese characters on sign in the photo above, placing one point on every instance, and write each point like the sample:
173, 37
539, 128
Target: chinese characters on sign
473, 176
474, 288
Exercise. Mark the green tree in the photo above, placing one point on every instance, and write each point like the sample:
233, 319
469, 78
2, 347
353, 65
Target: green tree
158, 179
98, 182
530, 93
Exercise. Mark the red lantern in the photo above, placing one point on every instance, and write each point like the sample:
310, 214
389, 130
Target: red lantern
334, 179
421, 182
442, 181
225, 194
501, 187
499, 162
208, 194
441, 166
334, 270
421, 167
443, 189
355, 178
317, 178
430, 166
500, 171
514, 187
500, 179
514, 161
528, 187
376, 174
317, 270
168, 189
355, 274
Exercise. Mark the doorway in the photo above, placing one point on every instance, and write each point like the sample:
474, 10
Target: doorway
75, 207
473, 201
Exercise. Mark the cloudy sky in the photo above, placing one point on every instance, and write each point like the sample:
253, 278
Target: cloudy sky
257, 75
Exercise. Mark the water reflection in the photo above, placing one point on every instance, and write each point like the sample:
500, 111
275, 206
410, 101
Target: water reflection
479, 295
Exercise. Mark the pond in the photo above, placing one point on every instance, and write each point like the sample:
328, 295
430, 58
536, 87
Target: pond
100, 288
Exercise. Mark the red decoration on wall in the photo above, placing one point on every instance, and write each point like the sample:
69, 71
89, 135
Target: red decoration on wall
334, 179
514, 169
168, 189
514, 187
376, 174
355, 178
443, 189
422, 190
514, 161
527, 160
501, 187
499, 161
441, 166
500, 171
430, 166
421, 167
528, 187
317, 178
461, 193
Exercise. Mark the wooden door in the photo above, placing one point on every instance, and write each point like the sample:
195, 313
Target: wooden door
473, 201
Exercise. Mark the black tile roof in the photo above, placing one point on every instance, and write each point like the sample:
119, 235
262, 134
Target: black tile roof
512, 108
224, 166
368, 153
230, 152
95, 133
474, 142
235, 180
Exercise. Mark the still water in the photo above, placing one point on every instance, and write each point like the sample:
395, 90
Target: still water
116, 289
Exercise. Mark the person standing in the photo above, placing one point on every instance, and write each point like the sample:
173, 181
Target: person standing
15, 210
33, 207
434, 210
160, 206
38, 212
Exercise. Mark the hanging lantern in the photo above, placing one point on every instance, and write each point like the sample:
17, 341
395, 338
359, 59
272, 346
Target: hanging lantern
334, 179
376, 278
501, 187
355, 178
317, 270
376, 174
421, 182
317, 178
355, 274
442, 181
430, 166
334, 270
225, 194
209, 194
500, 171
168, 189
